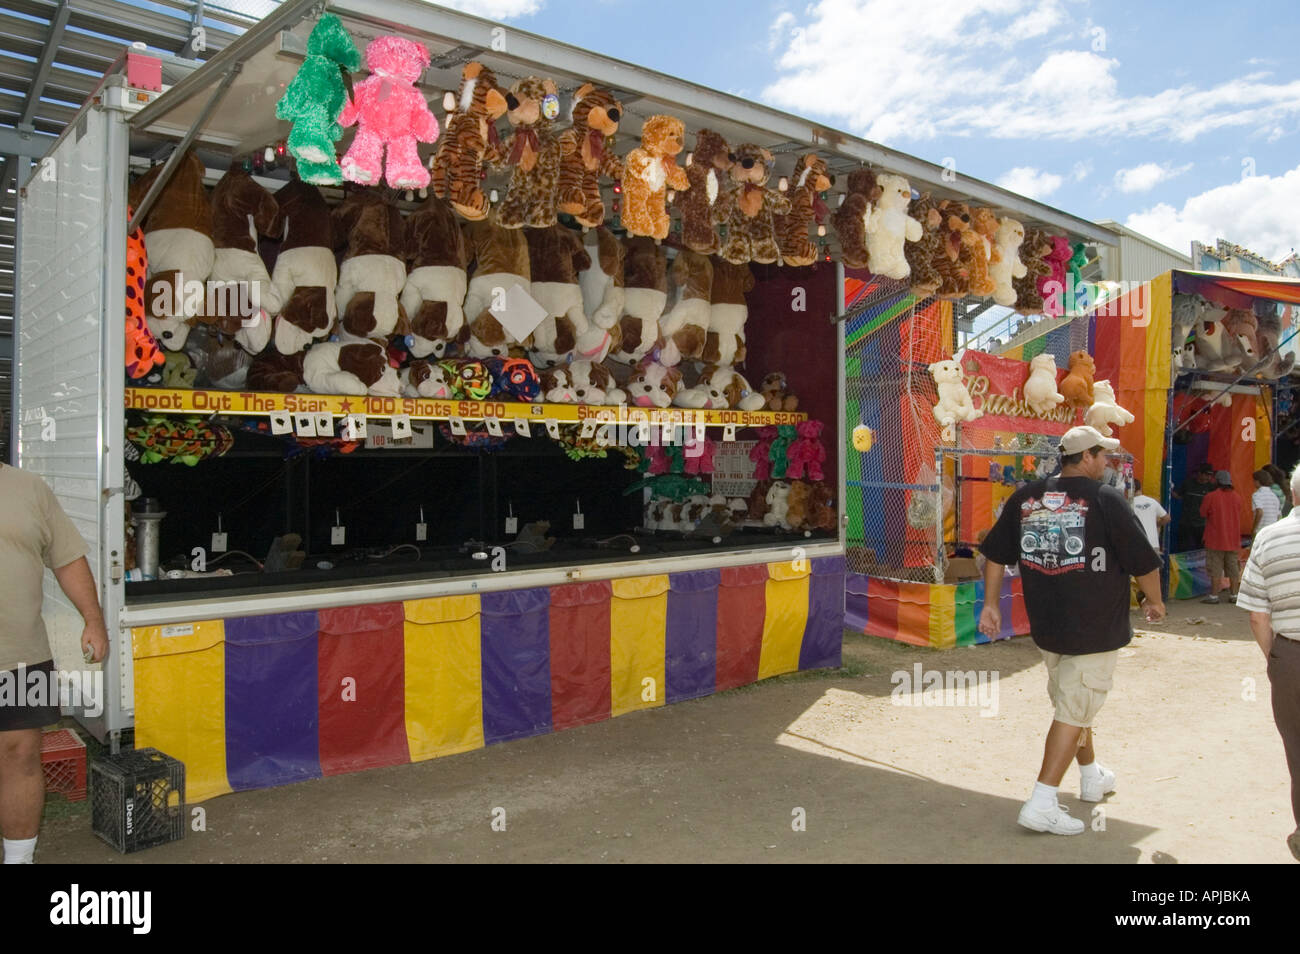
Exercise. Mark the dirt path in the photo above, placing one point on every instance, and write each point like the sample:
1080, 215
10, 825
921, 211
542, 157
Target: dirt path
1202, 776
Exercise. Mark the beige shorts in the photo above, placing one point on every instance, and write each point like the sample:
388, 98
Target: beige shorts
1077, 685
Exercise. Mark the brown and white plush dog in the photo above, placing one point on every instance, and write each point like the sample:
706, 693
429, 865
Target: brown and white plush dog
653, 385
426, 379
603, 293
686, 325
725, 342
721, 387
434, 294
374, 266
500, 261
305, 269
273, 371
358, 368
241, 210
581, 382
555, 257
645, 280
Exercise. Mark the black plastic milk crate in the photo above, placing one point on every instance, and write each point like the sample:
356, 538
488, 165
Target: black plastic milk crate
138, 799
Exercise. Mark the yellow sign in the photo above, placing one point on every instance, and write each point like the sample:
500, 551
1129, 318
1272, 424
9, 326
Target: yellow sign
255, 403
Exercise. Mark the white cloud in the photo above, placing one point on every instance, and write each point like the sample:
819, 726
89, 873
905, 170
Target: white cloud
496, 9
1256, 212
1030, 182
1147, 176
988, 68
1081, 170
780, 28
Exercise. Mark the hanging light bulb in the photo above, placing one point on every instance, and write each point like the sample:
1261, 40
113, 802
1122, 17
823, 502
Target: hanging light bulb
690, 158
614, 206
410, 196
281, 149
268, 155
821, 230
783, 184
492, 197
424, 194
449, 101
671, 195
618, 186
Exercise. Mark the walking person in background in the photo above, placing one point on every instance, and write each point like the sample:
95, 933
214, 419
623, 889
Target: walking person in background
1280, 487
1221, 509
1264, 503
1269, 591
1153, 518
1191, 525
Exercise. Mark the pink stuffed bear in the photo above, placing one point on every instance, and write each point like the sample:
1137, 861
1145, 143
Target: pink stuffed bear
759, 453
1052, 285
699, 457
389, 111
806, 453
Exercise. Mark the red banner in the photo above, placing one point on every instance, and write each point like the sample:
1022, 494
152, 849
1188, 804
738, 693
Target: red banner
997, 386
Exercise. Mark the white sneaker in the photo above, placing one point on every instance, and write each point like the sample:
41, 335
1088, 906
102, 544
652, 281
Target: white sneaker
1057, 820
1096, 788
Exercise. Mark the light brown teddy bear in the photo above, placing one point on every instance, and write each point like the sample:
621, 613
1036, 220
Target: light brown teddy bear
533, 150
705, 204
977, 245
585, 154
808, 179
776, 393
650, 171
951, 265
1077, 385
751, 229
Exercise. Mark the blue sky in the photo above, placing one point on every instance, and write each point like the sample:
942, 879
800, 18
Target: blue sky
1181, 120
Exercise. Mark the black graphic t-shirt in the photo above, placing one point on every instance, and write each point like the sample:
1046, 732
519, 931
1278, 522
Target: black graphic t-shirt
1077, 543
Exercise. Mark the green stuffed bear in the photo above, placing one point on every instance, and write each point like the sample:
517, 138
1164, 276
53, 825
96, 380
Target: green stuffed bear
314, 99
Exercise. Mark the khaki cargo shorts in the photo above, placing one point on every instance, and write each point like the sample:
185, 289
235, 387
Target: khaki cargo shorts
1077, 685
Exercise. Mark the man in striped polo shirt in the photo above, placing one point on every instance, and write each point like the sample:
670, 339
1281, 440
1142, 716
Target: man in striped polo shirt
1270, 591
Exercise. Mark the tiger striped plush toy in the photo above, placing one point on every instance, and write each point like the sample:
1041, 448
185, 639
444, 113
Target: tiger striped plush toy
142, 351
470, 139
586, 155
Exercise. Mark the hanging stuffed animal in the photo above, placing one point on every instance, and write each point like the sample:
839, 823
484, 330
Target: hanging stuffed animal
1040, 387
434, 293
653, 384
923, 254
954, 399
955, 277
1052, 287
650, 170
779, 452
499, 257
1081, 299
759, 453
751, 228
806, 454
533, 152
373, 273
977, 249
306, 271
728, 312
1005, 264
1105, 410
586, 156
808, 179
850, 219
241, 210
704, 205
685, 326
555, 257
469, 141
142, 352
314, 99
389, 112
602, 284
358, 368
1033, 254
1077, 385
889, 227
645, 293
1269, 333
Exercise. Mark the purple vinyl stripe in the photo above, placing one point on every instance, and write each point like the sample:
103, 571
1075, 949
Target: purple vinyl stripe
516, 657
691, 642
824, 637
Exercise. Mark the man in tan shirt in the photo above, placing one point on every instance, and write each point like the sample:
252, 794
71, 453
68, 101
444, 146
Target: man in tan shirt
35, 533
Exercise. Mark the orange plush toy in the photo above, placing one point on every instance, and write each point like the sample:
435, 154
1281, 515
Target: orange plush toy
650, 171
1077, 385
978, 246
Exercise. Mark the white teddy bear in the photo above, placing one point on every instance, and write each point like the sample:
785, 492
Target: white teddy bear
954, 400
1105, 410
1040, 387
1005, 263
888, 226
778, 506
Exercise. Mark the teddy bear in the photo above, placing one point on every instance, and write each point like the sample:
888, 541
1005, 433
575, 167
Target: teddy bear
705, 204
273, 370
389, 112
586, 156
720, 387
954, 275
776, 394
645, 295
178, 242
821, 509
555, 257
500, 262
923, 254
977, 251
602, 282
242, 209
358, 368
806, 454
850, 219
808, 179
306, 271
1052, 286
427, 379
469, 140
434, 294
778, 505
650, 170
684, 326
315, 97
533, 153
798, 504
889, 227
1005, 265
954, 399
751, 228
1040, 387
653, 384
514, 378
1077, 385
1105, 410
728, 312
1033, 254
373, 272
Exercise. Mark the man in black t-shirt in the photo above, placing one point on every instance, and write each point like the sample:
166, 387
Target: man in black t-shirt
1077, 542
1191, 525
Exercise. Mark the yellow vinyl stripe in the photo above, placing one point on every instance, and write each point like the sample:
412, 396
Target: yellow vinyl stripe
638, 628
444, 677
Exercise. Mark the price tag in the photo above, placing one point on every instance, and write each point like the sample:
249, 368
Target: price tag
354, 427
512, 525
493, 426
401, 427
729, 432
421, 531
701, 433
281, 422
324, 425
643, 433
588, 427
458, 426
578, 520
338, 535
304, 425
669, 432
521, 427
553, 428
218, 542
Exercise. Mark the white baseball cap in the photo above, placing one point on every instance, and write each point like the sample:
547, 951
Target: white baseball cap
1082, 438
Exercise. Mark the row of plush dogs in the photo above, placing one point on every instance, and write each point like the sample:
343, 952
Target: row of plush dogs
1210, 337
